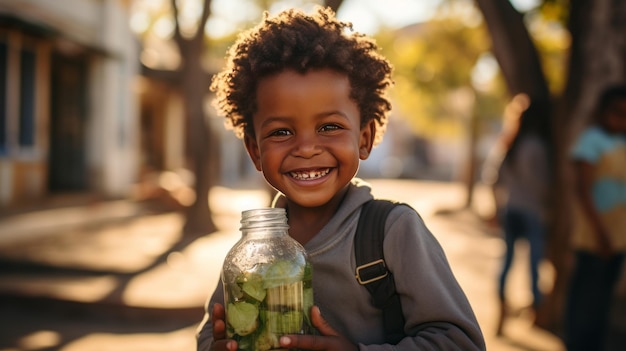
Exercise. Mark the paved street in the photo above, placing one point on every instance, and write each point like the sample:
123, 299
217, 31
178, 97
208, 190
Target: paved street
104, 277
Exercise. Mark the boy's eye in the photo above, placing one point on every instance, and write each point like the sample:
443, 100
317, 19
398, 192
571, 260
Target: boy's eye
329, 127
280, 132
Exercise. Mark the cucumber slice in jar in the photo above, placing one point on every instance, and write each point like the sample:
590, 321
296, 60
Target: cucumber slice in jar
242, 317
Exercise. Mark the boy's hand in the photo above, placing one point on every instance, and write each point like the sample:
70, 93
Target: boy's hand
220, 342
329, 340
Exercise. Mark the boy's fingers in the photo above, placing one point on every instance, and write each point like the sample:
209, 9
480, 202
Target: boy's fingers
219, 327
328, 340
307, 342
229, 345
218, 311
320, 323
311, 342
219, 330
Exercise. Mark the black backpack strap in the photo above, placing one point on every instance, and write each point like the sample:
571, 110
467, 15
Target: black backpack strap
371, 270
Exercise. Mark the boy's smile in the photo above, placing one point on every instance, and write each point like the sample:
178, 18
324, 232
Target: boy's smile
310, 175
308, 140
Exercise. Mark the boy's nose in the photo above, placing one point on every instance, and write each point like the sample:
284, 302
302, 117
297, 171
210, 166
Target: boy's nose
306, 146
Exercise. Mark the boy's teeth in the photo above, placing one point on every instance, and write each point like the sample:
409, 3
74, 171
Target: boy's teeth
310, 174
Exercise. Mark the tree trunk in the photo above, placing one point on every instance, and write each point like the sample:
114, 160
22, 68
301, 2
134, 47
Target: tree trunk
202, 146
203, 149
470, 176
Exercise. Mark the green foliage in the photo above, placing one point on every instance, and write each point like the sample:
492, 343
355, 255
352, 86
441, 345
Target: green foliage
547, 27
431, 60
555, 10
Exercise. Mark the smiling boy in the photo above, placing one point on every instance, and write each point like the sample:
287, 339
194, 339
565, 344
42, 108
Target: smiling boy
309, 101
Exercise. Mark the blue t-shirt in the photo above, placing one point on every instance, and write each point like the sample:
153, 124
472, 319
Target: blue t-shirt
605, 151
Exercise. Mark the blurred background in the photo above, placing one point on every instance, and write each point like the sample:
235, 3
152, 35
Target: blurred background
104, 102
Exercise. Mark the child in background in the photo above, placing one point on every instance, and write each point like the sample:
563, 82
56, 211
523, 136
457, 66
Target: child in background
525, 176
599, 238
309, 100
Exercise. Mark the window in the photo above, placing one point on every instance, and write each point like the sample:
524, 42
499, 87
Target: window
18, 92
27, 98
3, 97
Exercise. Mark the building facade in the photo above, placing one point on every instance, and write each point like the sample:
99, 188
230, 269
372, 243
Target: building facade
69, 119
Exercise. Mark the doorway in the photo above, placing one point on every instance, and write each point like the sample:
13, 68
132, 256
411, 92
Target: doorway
67, 166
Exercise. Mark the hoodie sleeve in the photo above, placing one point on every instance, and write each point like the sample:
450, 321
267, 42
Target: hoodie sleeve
437, 312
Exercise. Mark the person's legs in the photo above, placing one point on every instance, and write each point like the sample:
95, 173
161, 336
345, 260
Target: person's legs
610, 274
581, 315
535, 233
616, 327
587, 309
511, 226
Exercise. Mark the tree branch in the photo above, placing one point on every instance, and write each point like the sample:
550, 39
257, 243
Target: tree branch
206, 12
333, 4
178, 37
513, 48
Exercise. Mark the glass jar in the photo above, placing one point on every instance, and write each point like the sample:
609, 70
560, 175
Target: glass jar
267, 282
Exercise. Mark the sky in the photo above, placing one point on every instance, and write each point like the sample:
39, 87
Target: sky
366, 15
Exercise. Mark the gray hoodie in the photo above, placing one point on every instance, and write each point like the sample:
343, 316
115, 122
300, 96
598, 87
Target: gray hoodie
437, 313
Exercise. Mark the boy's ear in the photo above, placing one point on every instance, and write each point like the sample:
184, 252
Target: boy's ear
253, 151
366, 139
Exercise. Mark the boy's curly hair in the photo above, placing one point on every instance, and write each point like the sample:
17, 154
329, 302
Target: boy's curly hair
294, 40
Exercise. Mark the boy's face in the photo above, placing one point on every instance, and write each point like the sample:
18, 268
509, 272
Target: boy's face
308, 140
